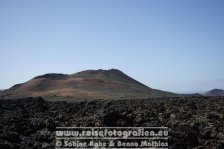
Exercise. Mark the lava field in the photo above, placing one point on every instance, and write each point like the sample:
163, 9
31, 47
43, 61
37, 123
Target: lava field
193, 122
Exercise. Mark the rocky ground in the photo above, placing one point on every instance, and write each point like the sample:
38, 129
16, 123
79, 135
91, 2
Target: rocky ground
193, 122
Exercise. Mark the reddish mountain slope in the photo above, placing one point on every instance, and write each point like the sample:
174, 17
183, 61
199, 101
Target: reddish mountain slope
89, 84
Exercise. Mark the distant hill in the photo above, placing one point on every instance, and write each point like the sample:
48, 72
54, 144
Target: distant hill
89, 84
215, 92
192, 95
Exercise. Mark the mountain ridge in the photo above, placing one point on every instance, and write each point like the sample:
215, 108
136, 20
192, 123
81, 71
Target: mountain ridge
215, 92
88, 84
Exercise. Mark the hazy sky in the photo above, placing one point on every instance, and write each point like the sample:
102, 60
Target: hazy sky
174, 45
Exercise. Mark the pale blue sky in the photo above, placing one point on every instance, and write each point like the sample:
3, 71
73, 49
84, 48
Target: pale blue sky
175, 45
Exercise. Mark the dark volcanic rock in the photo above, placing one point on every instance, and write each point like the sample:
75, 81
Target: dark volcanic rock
51, 125
193, 122
11, 136
53, 76
5, 145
